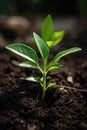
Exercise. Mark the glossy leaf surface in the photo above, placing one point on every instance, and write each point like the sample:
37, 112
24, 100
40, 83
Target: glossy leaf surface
29, 64
33, 79
42, 47
64, 53
24, 51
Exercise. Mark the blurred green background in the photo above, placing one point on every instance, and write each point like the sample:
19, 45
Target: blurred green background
56, 7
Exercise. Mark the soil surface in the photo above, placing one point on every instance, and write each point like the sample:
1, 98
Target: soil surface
64, 106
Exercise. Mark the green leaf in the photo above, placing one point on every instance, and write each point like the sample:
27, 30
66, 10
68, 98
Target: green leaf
57, 37
64, 53
29, 64
38, 79
42, 47
49, 43
47, 28
50, 85
24, 51
33, 79
54, 67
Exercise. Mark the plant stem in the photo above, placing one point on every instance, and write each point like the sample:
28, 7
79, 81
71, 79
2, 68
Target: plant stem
44, 85
44, 74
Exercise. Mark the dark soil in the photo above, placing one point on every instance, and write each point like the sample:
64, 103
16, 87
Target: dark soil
64, 106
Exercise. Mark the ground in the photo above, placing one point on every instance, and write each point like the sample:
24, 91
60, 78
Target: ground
64, 106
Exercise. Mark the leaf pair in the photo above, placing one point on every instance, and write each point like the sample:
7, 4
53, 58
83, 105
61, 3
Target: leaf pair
30, 54
32, 58
50, 37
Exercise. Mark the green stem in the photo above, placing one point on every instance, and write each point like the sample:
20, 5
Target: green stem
44, 85
44, 74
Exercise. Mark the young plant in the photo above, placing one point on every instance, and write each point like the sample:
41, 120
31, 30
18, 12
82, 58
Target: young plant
33, 60
50, 37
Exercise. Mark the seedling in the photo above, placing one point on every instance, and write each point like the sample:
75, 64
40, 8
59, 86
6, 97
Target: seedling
50, 39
